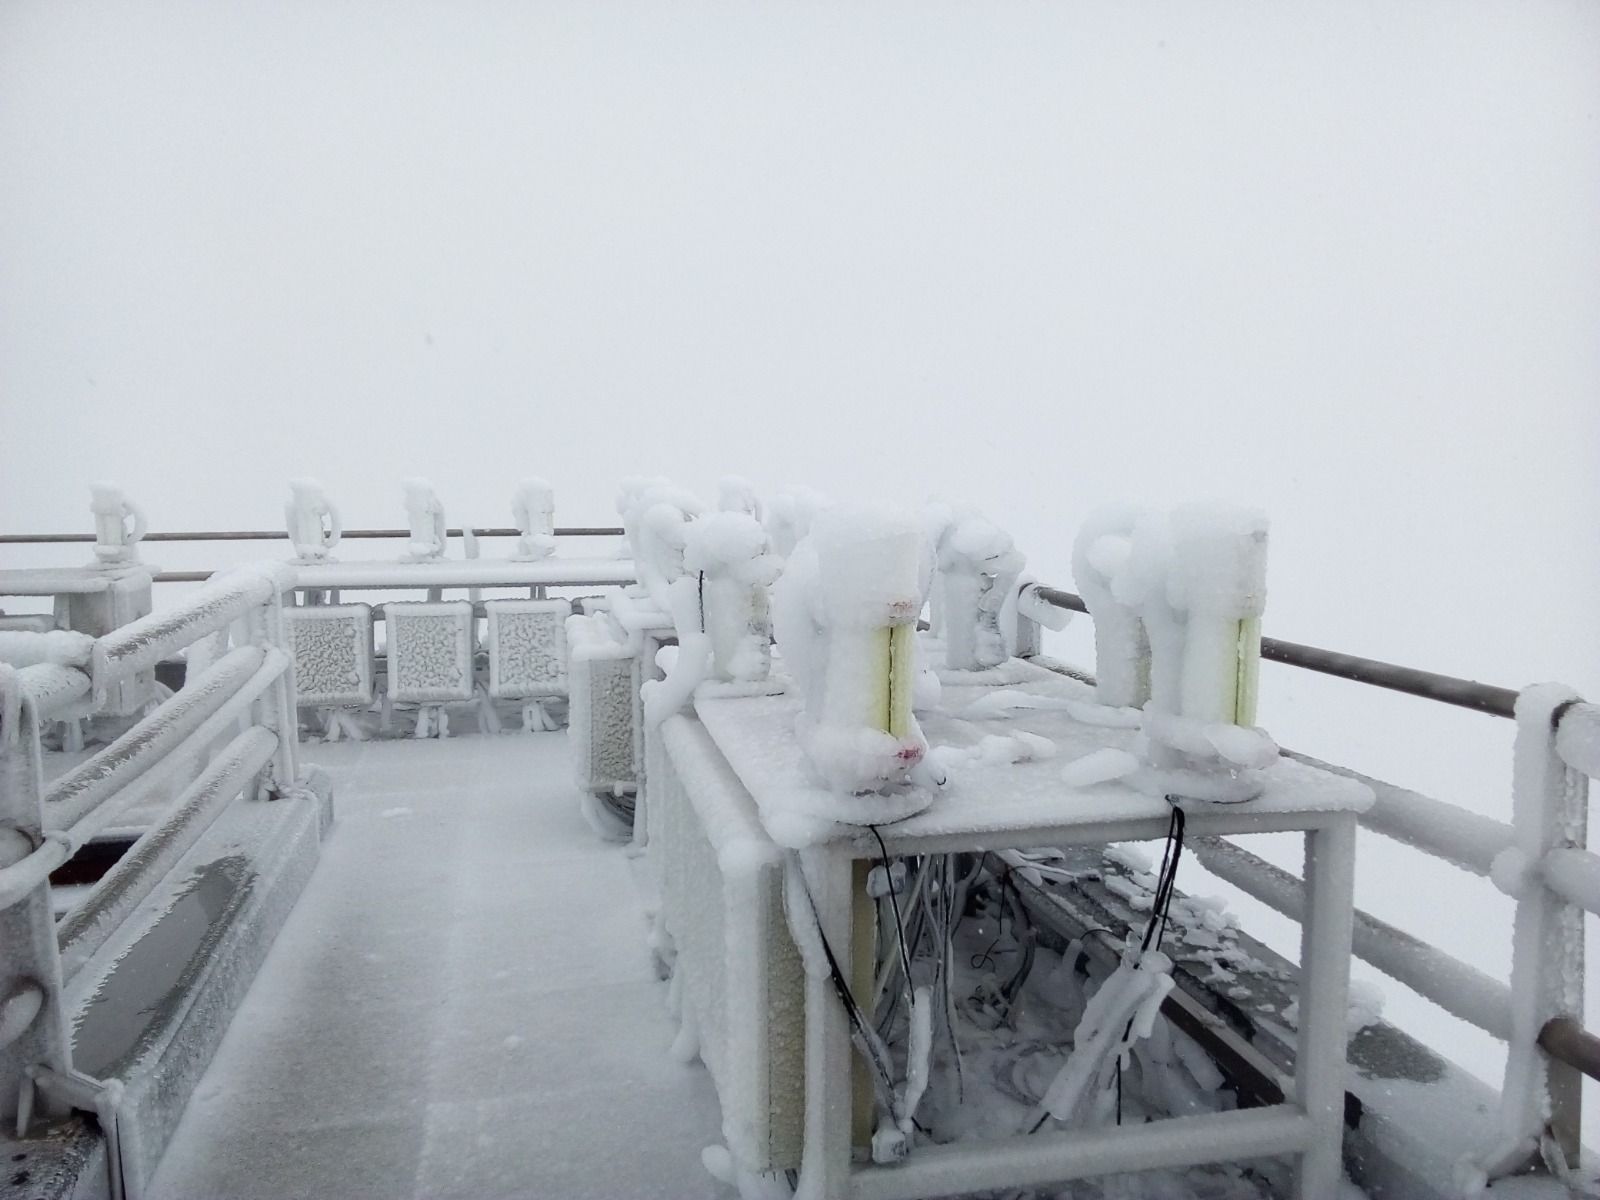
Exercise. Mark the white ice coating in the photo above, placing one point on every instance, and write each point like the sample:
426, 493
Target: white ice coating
1549, 803
978, 565
655, 518
726, 552
1122, 1011
60, 646
312, 520
737, 494
789, 517
1197, 580
425, 516
859, 575
119, 525
1121, 649
533, 509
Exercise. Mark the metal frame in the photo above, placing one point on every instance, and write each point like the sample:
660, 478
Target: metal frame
1309, 1126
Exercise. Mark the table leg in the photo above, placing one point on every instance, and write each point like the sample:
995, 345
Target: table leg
1324, 998
825, 1162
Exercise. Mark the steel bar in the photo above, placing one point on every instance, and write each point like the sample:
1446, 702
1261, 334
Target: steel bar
274, 535
1429, 685
1564, 1040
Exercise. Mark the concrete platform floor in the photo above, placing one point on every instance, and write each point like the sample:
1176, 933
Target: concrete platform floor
461, 1005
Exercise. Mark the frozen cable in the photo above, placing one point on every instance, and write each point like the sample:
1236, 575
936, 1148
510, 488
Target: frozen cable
894, 902
865, 1037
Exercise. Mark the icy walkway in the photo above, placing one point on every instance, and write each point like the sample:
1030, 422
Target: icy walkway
461, 1005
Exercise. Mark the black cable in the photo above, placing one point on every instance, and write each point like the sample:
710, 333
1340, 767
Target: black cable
894, 902
841, 987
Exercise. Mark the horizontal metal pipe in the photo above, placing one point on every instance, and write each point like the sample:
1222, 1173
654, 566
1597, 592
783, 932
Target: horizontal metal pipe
1465, 693
50, 687
1469, 840
1450, 983
1574, 875
141, 644
1056, 1157
18, 881
276, 535
1564, 1040
85, 929
88, 785
1061, 599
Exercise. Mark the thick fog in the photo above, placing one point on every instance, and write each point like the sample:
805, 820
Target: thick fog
1339, 259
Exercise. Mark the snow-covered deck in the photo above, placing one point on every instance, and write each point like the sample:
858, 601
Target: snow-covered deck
461, 1005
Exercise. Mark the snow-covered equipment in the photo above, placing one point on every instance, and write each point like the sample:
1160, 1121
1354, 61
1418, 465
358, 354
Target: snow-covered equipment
119, 525
333, 661
789, 516
527, 643
719, 610
430, 651
1121, 647
655, 517
313, 521
604, 722
533, 508
737, 494
1197, 579
978, 569
845, 614
727, 553
425, 516
738, 988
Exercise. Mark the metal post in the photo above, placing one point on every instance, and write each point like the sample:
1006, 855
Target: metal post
279, 699
32, 1016
1325, 936
1542, 1096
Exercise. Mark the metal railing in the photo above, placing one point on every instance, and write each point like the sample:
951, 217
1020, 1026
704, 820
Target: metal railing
1540, 859
241, 696
469, 534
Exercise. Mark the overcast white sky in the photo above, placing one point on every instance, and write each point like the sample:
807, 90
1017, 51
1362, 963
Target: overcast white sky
1338, 259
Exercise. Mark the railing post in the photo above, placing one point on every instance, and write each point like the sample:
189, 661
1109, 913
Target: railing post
275, 709
33, 1026
1542, 1097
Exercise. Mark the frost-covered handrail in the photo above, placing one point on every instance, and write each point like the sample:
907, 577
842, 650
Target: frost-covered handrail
209, 701
51, 687
1450, 983
116, 895
1465, 839
63, 646
140, 645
